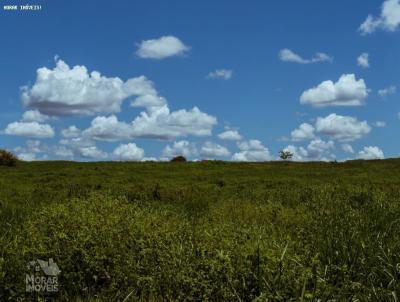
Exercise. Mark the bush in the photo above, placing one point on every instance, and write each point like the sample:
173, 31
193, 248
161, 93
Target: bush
178, 159
7, 158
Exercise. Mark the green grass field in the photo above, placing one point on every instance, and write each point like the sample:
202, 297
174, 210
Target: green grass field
206, 231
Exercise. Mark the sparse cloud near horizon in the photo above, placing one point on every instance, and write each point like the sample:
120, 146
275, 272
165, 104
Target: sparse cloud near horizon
371, 152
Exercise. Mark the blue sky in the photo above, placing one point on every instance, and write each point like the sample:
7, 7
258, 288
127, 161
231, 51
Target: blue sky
317, 78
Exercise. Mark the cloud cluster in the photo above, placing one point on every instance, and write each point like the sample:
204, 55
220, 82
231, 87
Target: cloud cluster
316, 150
287, 55
347, 91
161, 48
159, 124
252, 151
389, 19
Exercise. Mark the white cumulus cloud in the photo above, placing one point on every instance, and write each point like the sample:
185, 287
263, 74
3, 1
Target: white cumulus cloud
389, 19
232, 135
304, 132
252, 151
29, 129
371, 153
347, 148
342, 128
211, 150
347, 91
92, 152
34, 116
74, 91
161, 48
70, 132
129, 152
316, 150
180, 148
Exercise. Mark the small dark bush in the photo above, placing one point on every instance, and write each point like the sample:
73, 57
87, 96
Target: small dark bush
7, 158
178, 159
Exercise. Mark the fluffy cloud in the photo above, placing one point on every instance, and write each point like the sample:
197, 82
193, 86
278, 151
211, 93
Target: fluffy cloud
31, 149
74, 91
347, 148
232, 135
160, 124
363, 60
287, 55
317, 149
252, 151
387, 91
164, 124
70, 132
183, 148
211, 150
63, 152
129, 152
342, 128
30, 129
161, 48
304, 132
371, 153
34, 116
389, 20
108, 129
92, 153
224, 74
347, 91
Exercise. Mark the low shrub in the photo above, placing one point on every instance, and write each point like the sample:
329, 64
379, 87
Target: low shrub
178, 159
7, 158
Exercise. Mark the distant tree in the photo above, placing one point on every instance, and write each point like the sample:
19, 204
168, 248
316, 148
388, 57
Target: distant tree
7, 158
285, 154
179, 159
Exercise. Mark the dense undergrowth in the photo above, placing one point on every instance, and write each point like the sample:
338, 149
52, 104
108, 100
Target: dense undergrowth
208, 231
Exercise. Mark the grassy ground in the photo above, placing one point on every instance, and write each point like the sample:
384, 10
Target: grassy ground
208, 231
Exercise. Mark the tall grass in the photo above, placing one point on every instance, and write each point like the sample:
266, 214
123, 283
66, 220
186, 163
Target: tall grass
204, 232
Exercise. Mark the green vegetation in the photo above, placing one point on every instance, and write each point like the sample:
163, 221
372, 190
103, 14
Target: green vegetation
178, 159
206, 231
7, 158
